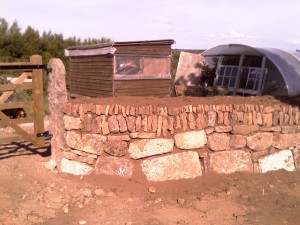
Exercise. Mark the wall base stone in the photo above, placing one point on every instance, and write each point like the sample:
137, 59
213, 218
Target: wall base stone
276, 161
76, 168
172, 167
230, 161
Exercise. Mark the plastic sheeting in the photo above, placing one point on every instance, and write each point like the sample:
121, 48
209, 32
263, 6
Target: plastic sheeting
287, 64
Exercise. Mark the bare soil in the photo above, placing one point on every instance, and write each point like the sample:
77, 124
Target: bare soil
32, 194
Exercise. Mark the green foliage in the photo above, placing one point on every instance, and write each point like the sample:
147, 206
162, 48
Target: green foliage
17, 46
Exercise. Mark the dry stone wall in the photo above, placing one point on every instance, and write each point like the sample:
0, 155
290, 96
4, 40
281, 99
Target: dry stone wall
171, 143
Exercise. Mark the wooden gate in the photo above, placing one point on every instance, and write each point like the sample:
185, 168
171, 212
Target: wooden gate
34, 70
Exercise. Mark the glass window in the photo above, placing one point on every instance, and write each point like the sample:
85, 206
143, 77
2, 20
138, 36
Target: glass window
141, 66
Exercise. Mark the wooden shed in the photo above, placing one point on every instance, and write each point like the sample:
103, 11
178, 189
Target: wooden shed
137, 68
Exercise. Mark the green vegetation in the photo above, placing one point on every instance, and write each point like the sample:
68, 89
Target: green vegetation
17, 46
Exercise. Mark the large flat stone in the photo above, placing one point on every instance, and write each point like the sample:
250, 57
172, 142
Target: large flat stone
218, 141
149, 147
276, 161
191, 139
73, 167
284, 141
230, 161
114, 166
260, 141
183, 165
90, 143
72, 123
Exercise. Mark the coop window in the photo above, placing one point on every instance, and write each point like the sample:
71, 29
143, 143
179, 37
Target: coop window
134, 67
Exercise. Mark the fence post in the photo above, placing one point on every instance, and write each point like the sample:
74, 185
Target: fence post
57, 96
38, 98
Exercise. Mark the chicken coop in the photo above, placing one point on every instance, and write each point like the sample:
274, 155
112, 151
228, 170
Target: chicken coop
138, 68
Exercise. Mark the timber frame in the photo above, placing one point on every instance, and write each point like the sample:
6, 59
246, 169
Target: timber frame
31, 69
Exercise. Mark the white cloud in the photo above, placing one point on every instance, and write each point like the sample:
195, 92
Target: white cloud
294, 40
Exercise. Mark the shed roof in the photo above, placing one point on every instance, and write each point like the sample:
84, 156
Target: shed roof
288, 64
110, 48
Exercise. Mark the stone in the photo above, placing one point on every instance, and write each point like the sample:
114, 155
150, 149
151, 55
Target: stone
230, 161
209, 130
237, 141
268, 109
223, 129
192, 121
90, 143
276, 161
260, 141
268, 119
190, 140
113, 124
99, 192
50, 165
57, 97
212, 116
105, 126
138, 123
289, 129
159, 126
284, 141
244, 129
114, 166
130, 120
88, 122
183, 121
201, 121
185, 165
72, 123
73, 167
218, 141
123, 137
116, 148
145, 148
142, 135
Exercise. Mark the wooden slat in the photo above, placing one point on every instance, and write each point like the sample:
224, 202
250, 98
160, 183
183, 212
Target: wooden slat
14, 105
38, 99
20, 120
13, 87
15, 63
88, 87
92, 78
92, 74
30, 137
83, 59
19, 80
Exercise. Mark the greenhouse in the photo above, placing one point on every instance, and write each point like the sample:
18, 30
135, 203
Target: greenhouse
245, 70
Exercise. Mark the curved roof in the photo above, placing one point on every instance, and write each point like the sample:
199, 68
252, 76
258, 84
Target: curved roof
288, 64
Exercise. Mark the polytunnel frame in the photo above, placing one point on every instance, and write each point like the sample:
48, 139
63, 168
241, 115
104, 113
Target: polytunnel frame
287, 64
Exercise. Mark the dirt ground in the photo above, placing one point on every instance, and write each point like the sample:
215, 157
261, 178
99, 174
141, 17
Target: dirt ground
32, 194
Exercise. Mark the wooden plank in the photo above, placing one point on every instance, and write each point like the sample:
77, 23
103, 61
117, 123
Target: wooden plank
14, 105
13, 87
20, 120
38, 99
91, 92
10, 138
92, 78
88, 59
27, 136
87, 87
15, 63
92, 74
19, 80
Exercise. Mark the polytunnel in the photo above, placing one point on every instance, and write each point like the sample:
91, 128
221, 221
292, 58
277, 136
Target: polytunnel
247, 70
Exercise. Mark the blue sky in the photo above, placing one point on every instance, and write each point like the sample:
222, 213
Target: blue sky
193, 24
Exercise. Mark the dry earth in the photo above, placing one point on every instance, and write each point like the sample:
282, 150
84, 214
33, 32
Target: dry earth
32, 194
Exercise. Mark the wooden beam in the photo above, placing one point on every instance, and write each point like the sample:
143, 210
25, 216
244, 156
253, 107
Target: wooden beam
20, 120
19, 80
38, 98
27, 136
13, 87
15, 105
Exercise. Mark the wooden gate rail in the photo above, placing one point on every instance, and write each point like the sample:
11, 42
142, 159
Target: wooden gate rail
31, 69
